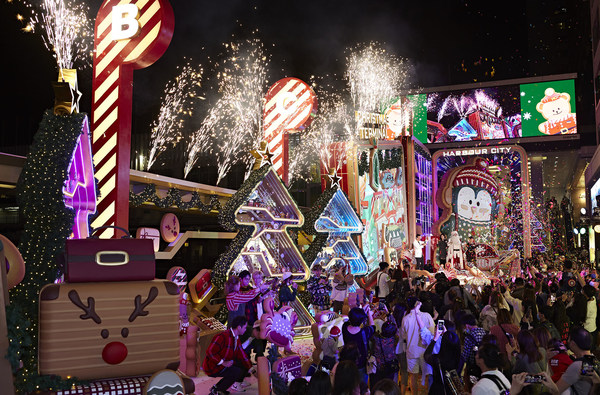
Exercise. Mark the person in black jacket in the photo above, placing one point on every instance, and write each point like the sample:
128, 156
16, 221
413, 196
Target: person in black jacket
443, 250
447, 359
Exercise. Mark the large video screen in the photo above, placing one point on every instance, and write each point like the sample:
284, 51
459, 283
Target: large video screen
495, 113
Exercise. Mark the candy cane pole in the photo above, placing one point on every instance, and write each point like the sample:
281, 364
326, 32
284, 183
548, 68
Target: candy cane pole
289, 104
129, 35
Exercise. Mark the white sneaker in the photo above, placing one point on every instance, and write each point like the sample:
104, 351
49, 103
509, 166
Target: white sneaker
237, 387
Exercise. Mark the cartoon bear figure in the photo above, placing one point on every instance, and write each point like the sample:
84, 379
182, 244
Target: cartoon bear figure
396, 120
556, 108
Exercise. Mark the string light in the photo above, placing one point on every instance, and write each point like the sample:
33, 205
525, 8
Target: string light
47, 224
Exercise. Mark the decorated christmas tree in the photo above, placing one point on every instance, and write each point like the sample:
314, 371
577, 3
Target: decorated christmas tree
262, 211
333, 220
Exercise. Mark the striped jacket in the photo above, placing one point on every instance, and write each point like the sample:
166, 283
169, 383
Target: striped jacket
224, 347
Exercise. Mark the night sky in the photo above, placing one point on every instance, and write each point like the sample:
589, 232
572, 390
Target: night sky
447, 42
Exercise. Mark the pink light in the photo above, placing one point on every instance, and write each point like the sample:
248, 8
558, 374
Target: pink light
80, 190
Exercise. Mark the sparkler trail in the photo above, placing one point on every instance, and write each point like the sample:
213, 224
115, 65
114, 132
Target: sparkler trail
485, 101
333, 124
176, 105
443, 109
233, 125
66, 30
464, 106
374, 76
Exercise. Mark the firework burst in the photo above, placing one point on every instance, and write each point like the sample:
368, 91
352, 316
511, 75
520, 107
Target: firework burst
334, 124
177, 103
65, 28
233, 125
374, 76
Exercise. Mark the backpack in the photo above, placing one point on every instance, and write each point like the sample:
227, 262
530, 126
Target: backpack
384, 351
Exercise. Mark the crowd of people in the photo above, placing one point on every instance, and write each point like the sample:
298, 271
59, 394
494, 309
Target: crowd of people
532, 334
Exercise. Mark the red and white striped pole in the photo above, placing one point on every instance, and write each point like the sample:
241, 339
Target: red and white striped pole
289, 104
129, 35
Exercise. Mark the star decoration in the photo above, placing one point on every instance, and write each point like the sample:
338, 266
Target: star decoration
267, 156
75, 97
335, 179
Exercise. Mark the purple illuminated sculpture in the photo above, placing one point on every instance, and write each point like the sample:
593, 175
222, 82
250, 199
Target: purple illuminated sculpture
80, 189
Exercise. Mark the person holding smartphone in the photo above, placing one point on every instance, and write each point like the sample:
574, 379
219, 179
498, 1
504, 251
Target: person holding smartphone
577, 376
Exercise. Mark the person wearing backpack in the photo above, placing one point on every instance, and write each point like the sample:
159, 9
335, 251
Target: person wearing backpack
492, 381
383, 348
576, 378
382, 287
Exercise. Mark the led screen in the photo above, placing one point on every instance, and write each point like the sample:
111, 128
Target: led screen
495, 113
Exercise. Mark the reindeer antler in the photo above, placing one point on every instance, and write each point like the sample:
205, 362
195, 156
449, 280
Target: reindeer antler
89, 309
139, 305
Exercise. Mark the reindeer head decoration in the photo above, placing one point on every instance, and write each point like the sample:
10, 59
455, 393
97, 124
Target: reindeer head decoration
114, 352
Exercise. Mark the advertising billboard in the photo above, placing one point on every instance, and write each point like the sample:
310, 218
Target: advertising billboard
495, 113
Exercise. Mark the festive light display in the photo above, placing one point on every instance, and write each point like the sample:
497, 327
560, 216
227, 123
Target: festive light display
335, 216
173, 199
423, 191
505, 174
126, 38
48, 223
262, 211
80, 188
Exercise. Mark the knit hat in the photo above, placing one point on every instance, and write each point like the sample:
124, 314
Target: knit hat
477, 175
551, 95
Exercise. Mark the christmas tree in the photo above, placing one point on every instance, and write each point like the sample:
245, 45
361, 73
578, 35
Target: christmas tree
262, 211
334, 220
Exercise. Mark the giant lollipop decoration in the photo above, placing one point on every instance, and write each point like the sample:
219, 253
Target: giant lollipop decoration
290, 104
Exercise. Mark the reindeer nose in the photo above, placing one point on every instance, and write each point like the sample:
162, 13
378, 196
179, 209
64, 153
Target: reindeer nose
114, 353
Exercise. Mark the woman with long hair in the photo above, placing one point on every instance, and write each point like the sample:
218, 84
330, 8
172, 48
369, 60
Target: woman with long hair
319, 384
531, 358
489, 314
542, 334
346, 380
529, 307
505, 331
447, 359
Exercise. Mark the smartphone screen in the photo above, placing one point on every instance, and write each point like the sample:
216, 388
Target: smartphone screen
587, 364
441, 325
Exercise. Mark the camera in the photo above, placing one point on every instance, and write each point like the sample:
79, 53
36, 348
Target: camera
534, 378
